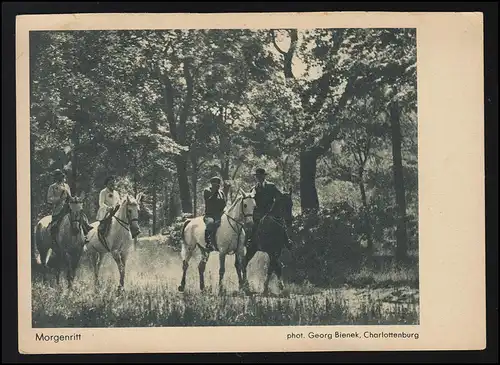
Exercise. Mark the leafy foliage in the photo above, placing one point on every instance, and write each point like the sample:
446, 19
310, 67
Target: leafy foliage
166, 110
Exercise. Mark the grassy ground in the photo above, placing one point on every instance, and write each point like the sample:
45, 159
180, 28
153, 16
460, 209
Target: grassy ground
151, 297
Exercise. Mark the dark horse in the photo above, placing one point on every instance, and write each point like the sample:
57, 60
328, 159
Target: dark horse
270, 236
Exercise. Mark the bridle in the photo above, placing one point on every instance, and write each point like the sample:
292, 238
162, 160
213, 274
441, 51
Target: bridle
121, 222
125, 224
238, 223
74, 217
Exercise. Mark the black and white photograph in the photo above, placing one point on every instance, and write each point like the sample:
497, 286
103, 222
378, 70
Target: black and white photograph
310, 184
224, 177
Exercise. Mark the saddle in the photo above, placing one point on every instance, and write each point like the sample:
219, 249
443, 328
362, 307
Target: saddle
56, 219
211, 234
105, 225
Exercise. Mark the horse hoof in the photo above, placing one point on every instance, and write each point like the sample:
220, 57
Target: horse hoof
180, 288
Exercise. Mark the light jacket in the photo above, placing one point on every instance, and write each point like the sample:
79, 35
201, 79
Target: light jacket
56, 196
107, 200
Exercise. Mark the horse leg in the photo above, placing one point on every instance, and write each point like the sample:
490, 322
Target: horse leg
96, 260
201, 269
238, 265
186, 254
241, 269
119, 259
277, 271
270, 269
251, 251
69, 270
222, 270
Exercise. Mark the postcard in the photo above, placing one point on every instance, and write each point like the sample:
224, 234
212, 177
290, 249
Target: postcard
250, 182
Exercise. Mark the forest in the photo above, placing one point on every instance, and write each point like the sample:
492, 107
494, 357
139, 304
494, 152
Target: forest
329, 113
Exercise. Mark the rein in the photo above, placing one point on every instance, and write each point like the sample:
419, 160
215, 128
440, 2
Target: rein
121, 222
239, 224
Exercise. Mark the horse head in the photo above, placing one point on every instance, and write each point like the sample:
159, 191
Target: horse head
132, 207
75, 204
247, 204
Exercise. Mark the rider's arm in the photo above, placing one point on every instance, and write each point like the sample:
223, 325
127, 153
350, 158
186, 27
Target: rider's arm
117, 198
51, 198
102, 197
68, 190
206, 195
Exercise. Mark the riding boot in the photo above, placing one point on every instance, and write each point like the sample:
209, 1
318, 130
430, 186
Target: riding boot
208, 240
53, 236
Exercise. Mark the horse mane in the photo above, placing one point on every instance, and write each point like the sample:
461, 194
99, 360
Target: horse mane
233, 204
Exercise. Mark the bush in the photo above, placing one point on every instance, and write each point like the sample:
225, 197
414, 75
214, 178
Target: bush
326, 246
174, 230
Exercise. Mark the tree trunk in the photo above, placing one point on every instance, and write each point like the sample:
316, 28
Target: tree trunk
182, 179
308, 193
74, 161
401, 234
166, 204
225, 175
135, 176
155, 199
366, 216
194, 183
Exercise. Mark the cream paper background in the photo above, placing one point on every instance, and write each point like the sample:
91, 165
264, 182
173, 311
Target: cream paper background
451, 190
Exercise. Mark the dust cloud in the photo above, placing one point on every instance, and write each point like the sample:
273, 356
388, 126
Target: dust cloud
151, 264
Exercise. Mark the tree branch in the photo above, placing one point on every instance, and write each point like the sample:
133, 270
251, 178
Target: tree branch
169, 106
275, 43
236, 170
327, 139
187, 100
251, 112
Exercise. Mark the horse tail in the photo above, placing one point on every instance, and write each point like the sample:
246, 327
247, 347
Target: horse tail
184, 228
37, 239
184, 249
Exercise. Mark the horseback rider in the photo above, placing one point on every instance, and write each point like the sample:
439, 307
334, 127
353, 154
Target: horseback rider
109, 199
266, 193
57, 196
215, 202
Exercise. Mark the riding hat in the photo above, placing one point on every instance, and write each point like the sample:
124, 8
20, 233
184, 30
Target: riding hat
57, 172
215, 179
260, 171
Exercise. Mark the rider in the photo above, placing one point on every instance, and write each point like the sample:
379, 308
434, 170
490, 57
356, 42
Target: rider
109, 199
215, 202
265, 195
57, 195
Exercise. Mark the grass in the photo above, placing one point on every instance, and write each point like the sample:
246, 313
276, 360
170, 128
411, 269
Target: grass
151, 299
391, 276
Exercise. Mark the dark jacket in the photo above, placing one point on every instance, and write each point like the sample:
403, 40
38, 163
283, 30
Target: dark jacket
214, 202
264, 197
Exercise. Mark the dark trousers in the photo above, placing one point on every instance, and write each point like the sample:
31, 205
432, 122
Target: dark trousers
211, 223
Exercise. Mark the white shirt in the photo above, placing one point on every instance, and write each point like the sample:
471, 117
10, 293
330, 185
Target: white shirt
107, 200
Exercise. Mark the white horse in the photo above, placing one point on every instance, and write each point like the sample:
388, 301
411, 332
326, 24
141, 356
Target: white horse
230, 239
123, 229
